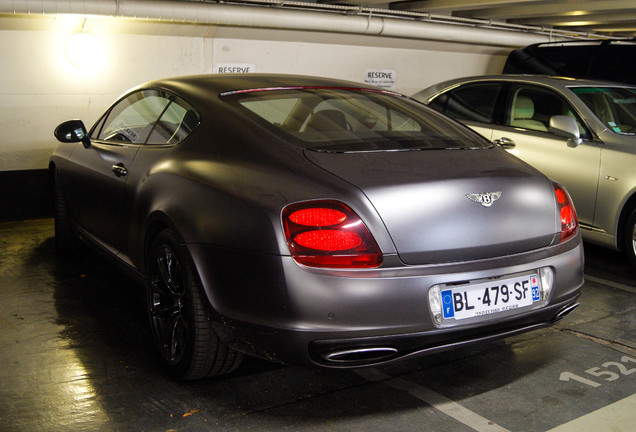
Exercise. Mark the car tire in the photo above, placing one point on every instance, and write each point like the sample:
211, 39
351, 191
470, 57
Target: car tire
179, 315
629, 239
64, 238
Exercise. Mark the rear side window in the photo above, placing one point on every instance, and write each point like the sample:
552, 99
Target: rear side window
147, 117
471, 102
175, 124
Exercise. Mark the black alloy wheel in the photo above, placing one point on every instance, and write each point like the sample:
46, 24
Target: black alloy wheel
179, 316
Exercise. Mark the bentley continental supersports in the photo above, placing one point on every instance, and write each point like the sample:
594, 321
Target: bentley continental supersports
314, 222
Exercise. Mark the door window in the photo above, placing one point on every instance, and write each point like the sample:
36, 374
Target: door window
147, 117
531, 108
472, 102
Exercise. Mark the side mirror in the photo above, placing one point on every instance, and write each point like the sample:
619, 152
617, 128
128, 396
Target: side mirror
72, 131
565, 126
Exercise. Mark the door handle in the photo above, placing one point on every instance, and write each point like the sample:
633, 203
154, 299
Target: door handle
120, 170
505, 143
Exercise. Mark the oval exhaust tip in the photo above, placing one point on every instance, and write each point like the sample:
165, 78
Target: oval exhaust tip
360, 355
566, 310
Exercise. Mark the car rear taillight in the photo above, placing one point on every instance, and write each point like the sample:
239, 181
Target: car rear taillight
569, 221
328, 233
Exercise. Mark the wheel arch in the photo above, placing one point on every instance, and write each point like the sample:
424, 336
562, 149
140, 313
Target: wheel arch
155, 223
627, 209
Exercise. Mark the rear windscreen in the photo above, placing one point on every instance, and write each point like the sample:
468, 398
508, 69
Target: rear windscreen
349, 120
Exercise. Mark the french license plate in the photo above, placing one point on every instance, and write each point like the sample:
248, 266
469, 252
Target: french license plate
487, 298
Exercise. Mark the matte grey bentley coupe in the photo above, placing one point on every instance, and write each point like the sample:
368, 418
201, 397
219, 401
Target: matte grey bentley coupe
314, 222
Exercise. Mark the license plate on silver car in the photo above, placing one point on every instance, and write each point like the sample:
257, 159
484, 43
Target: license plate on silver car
487, 298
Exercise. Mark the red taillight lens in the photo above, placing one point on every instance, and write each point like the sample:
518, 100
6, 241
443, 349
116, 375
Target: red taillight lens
569, 221
329, 234
318, 217
328, 240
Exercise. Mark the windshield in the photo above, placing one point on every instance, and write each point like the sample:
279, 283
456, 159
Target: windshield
614, 106
352, 120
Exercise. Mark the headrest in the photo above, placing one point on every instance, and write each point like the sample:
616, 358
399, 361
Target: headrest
327, 121
524, 108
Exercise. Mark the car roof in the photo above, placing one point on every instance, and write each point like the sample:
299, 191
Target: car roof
544, 79
215, 84
551, 81
602, 42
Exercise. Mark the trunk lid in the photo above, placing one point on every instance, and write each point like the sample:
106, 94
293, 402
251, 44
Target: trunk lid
452, 205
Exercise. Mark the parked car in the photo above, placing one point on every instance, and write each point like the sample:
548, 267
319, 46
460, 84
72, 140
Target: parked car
579, 133
608, 60
314, 222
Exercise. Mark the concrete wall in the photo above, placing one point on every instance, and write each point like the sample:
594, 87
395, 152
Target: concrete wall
39, 88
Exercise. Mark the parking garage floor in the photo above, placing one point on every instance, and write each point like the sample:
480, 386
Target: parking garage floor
75, 355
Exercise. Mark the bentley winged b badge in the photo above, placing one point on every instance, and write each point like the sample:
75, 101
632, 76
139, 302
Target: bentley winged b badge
486, 199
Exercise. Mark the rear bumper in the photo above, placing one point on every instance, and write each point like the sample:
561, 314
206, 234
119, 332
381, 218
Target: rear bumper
280, 311
367, 351
310, 349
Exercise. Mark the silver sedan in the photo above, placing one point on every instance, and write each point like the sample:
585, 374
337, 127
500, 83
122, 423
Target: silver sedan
579, 133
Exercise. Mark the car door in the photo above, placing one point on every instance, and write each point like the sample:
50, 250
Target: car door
524, 128
97, 175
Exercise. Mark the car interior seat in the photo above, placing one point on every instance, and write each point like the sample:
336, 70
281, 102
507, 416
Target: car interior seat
523, 113
328, 120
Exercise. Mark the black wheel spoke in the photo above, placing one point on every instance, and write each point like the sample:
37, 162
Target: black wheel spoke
164, 311
174, 339
168, 272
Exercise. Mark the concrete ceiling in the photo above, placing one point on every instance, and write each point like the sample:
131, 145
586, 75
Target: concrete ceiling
615, 18
551, 19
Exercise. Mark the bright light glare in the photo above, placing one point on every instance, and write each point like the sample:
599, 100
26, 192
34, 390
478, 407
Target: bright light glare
83, 51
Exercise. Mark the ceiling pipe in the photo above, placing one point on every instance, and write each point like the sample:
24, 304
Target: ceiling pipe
332, 21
